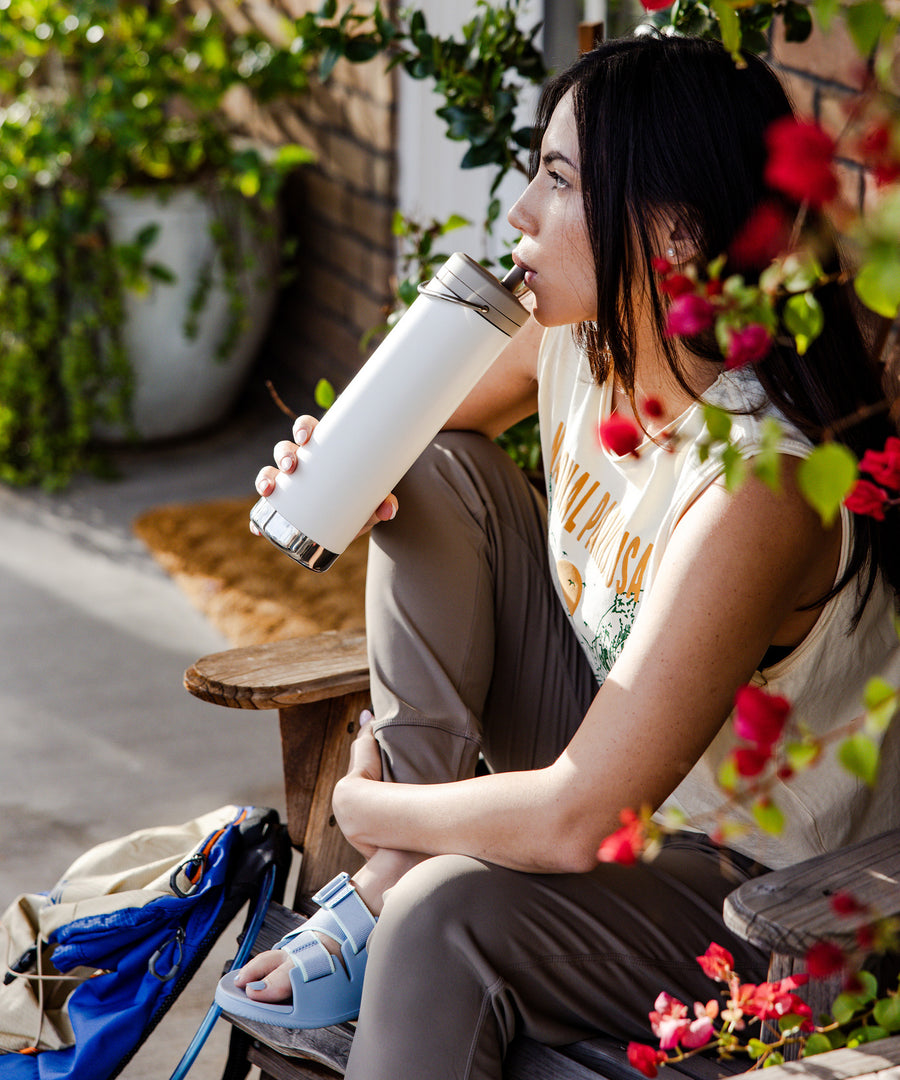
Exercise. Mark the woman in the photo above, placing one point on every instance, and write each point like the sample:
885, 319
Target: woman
607, 682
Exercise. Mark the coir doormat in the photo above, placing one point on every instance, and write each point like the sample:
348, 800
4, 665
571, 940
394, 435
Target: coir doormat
248, 589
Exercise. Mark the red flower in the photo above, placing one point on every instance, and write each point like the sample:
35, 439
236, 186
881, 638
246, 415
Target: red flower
868, 499
747, 346
669, 1021
800, 161
884, 465
759, 717
765, 234
656, 5
645, 1058
689, 315
660, 265
824, 959
879, 155
717, 963
676, 285
771, 1001
749, 761
625, 844
652, 408
844, 903
620, 436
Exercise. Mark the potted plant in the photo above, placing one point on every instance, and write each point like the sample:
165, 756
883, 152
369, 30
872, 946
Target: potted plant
114, 142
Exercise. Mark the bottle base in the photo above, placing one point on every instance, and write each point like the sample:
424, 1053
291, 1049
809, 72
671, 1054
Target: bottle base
280, 532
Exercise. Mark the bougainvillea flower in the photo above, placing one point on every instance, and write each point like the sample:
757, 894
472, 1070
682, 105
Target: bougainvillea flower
876, 148
669, 1020
759, 717
747, 346
824, 959
717, 963
645, 1058
844, 903
651, 407
868, 499
699, 1033
801, 161
625, 844
676, 285
620, 435
660, 265
749, 761
884, 465
765, 234
656, 5
689, 315
771, 1001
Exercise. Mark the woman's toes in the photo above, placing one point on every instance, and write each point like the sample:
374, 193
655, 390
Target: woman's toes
275, 987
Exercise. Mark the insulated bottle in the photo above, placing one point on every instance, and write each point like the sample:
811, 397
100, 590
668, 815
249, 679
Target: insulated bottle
401, 397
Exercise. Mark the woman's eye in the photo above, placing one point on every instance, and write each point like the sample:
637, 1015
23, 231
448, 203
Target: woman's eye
558, 181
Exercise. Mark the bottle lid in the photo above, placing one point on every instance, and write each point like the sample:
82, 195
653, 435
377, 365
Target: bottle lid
471, 283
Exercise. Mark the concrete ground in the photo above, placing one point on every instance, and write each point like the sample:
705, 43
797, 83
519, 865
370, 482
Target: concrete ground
97, 735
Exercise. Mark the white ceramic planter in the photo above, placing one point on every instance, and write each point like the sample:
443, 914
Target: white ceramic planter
181, 386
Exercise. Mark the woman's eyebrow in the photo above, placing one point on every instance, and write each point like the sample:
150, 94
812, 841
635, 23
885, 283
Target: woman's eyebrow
555, 155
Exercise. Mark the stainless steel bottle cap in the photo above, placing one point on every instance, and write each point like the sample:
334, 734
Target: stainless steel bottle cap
470, 283
280, 532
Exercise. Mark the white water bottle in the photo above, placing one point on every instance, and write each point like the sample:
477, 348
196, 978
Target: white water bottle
400, 399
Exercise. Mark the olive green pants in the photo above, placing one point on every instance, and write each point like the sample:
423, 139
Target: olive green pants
471, 652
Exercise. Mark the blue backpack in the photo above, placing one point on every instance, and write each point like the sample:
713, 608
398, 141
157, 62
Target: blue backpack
93, 965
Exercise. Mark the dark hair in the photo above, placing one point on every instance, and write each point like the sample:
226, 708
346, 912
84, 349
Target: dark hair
672, 129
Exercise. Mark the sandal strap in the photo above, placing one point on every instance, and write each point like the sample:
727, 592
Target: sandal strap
340, 899
310, 955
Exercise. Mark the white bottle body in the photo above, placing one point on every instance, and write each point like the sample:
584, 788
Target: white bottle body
375, 430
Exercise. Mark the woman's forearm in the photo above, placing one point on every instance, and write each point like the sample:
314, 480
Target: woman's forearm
518, 819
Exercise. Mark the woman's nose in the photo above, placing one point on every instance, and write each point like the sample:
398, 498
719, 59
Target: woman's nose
521, 216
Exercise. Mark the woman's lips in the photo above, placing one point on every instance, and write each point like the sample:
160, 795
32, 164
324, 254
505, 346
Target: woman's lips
529, 272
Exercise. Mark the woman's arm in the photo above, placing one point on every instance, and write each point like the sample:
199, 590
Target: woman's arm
735, 572
507, 393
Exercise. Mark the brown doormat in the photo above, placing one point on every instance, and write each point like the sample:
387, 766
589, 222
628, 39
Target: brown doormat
246, 587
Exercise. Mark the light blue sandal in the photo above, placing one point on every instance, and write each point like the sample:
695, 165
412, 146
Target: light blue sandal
324, 991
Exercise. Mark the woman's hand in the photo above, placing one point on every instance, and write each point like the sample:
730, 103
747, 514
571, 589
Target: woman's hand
285, 455
365, 767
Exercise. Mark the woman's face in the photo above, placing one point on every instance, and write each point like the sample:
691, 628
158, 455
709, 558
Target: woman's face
555, 250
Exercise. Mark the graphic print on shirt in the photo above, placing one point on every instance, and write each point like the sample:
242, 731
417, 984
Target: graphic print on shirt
601, 565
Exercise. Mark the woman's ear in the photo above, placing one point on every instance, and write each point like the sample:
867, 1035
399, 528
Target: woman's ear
680, 246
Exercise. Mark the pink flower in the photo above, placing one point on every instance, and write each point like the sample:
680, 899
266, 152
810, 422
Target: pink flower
884, 465
747, 346
645, 1058
656, 5
652, 408
771, 1001
765, 234
801, 161
625, 844
689, 315
669, 1020
700, 1031
868, 499
878, 153
660, 265
759, 717
824, 959
717, 963
620, 435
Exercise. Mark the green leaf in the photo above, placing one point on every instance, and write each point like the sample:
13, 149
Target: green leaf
768, 817
865, 21
880, 700
756, 1048
775, 1058
718, 422
455, 221
735, 467
826, 477
797, 21
877, 283
868, 1033
859, 756
803, 319
727, 777
887, 1013
816, 1044
730, 28
324, 394
801, 755
825, 12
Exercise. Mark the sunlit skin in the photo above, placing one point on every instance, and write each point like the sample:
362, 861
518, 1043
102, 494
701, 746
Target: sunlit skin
752, 560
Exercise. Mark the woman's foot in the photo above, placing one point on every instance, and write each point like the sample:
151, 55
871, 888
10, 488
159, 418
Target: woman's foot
267, 977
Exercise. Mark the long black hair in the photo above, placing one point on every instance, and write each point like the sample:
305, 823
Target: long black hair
672, 129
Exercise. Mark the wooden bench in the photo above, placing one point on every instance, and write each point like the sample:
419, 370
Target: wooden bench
319, 686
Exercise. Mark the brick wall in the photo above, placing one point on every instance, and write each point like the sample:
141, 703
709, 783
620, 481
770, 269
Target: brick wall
338, 211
